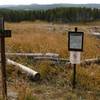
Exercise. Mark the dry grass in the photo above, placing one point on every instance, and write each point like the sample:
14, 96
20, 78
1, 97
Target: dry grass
56, 80
32, 37
45, 37
56, 84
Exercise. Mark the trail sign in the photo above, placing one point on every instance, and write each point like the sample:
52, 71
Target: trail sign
3, 34
75, 46
75, 40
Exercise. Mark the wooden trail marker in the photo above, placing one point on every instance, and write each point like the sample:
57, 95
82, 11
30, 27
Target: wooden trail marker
3, 34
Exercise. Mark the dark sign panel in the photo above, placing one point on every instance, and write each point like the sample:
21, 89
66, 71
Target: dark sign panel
75, 41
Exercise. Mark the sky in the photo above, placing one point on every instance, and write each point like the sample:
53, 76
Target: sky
17, 2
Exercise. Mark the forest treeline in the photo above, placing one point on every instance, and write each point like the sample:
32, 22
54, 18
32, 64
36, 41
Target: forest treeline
61, 15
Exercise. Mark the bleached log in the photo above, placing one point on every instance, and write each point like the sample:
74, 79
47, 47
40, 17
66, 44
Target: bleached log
52, 55
66, 61
25, 54
31, 73
91, 61
33, 54
37, 56
46, 58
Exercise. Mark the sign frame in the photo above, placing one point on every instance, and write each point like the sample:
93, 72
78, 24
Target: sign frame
75, 33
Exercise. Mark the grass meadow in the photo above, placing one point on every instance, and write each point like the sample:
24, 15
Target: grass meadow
55, 82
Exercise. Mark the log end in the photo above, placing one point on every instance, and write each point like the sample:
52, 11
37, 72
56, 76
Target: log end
36, 77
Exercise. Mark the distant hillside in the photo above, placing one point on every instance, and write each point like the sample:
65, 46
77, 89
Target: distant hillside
45, 7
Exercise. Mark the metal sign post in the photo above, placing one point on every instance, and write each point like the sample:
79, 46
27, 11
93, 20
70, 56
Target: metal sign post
3, 34
75, 45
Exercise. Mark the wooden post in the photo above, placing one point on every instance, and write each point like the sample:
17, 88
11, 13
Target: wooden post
3, 34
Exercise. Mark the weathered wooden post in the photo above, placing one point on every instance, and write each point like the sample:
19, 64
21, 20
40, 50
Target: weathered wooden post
75, 45
3, 34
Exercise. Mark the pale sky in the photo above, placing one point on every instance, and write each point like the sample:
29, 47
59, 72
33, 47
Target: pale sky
16, 2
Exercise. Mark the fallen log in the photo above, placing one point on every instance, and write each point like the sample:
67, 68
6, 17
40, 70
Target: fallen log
37, 56
55, 57
34, 54
33, 75
91, 61
25, 54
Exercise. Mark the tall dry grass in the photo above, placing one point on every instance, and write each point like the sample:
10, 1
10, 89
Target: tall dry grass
56, 80
46, 37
